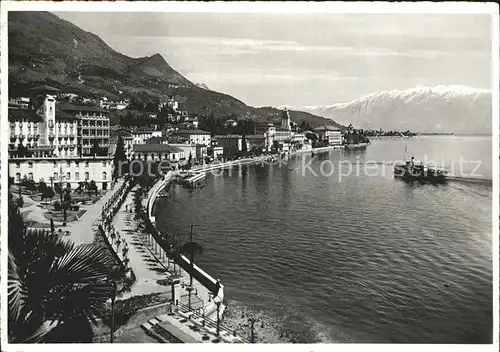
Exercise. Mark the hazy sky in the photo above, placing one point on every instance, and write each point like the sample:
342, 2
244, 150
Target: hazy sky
305, 59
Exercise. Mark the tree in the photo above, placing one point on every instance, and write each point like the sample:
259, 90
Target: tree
243, 144
96, 149
55, 289
23, 151
42, 187
29, 184
119, 158
66, 204
93, 187
59, 190
48, 193
191, 249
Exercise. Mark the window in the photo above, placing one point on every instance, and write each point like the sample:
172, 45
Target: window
68, 163
18, 164
30, 165
77, 176
54, 164
86, 176
87, 164
77, 163
68, 176
30, 176
18, 177
104, 163
55, 175
104, 175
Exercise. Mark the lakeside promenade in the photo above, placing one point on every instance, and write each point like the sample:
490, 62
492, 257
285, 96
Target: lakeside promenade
152, 270
139, 257
149, 262
82, 231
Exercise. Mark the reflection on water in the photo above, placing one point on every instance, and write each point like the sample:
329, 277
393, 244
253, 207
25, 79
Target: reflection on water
361, 260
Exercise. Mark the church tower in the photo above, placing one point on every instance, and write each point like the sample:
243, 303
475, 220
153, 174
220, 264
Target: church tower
285, 120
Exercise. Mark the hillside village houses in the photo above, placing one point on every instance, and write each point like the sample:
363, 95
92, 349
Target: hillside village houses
59, 142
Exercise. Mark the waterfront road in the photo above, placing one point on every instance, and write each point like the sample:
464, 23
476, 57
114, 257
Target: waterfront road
82, 231
150, 264
144, 265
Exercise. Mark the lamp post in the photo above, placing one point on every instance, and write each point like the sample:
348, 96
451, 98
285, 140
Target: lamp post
191, 225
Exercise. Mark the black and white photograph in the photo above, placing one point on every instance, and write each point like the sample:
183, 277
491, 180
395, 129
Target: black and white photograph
241, 174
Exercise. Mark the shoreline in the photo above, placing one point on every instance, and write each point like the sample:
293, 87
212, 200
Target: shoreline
209, 283
259, 159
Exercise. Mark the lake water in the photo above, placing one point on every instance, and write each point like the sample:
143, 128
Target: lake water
365, 259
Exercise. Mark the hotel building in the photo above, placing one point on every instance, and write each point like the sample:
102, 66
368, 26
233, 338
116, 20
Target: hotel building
54, 142
330, 134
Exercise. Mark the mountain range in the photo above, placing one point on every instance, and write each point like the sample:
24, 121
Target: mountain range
443, 109
44, 49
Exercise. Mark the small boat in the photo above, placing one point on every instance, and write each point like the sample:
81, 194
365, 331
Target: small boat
411, 171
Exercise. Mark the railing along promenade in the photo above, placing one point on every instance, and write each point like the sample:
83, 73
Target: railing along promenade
207, 281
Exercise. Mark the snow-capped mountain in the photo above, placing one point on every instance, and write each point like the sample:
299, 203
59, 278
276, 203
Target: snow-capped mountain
457, 109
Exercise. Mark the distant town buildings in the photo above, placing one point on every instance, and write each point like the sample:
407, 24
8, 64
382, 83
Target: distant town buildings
329, 134
195, 136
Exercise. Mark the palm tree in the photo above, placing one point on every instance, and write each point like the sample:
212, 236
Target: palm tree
55, 289
191, 249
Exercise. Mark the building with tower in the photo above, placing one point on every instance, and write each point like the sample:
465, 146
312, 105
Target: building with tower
58, 142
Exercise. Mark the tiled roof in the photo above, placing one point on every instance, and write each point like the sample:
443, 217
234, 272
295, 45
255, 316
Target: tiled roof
191, 132
326, 128
62, 115
31, 115
227, 136
77, 107
44, 88
158, 148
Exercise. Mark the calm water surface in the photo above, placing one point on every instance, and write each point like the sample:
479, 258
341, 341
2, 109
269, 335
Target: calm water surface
361, 260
